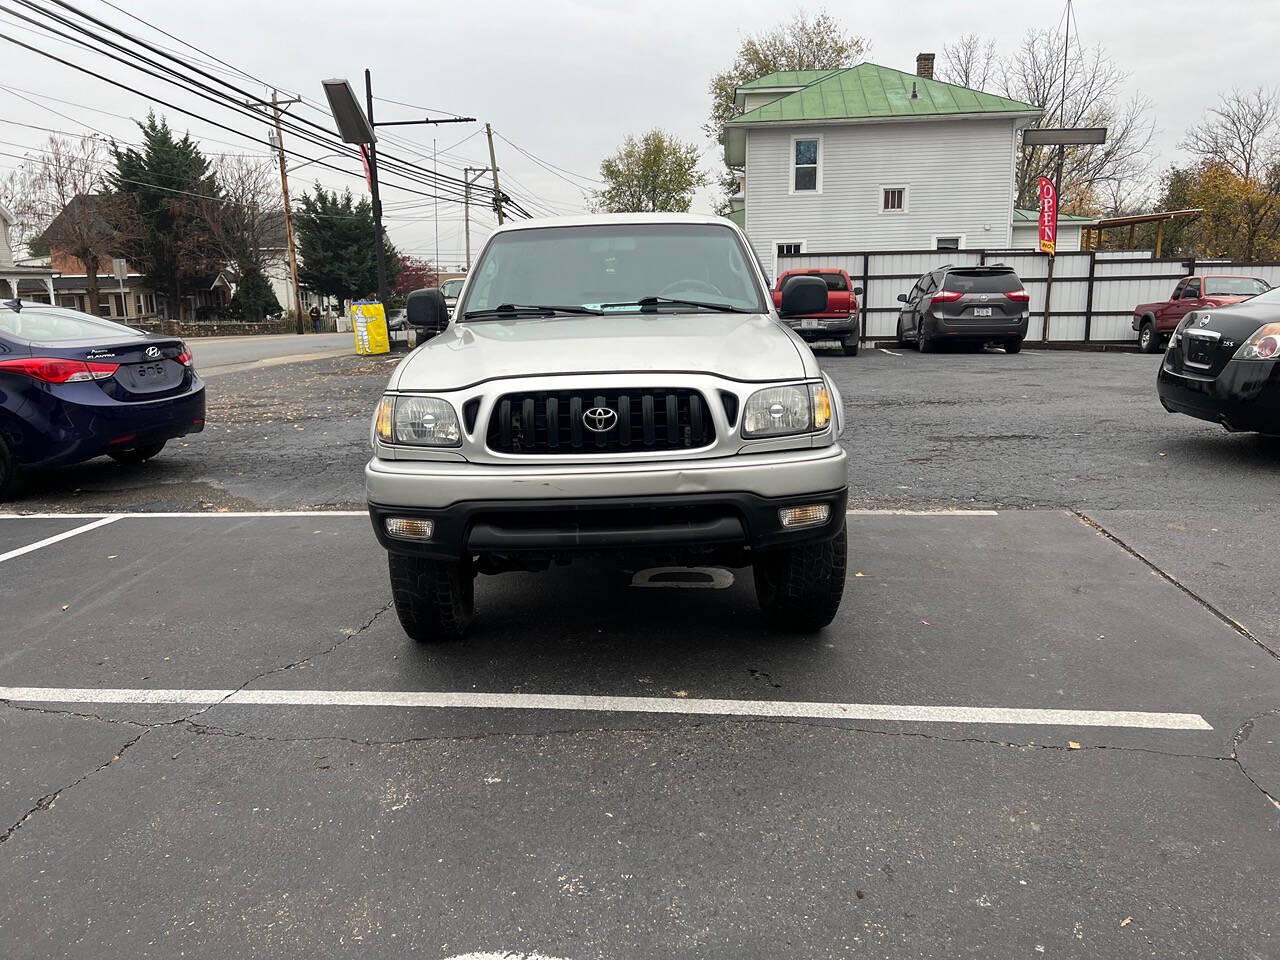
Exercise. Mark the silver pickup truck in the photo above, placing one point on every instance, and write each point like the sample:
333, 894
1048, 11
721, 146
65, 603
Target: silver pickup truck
617, 385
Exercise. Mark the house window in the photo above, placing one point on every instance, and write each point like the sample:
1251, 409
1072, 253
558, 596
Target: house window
893, 199
806, 157
948, 243
785, 248
789, 249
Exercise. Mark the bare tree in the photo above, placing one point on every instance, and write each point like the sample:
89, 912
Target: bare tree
1094, 97
969, 62
1242, 132
20, 192
245, 220
71, 197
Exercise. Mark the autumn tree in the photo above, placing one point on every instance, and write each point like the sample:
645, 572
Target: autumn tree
805, 42
416, 273
656, 174
169, 183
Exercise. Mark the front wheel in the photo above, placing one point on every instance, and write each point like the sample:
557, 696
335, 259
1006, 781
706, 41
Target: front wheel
799, 588
137, 454
434, 599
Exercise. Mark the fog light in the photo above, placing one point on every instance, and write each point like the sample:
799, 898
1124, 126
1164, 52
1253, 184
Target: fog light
409, 528
808, 516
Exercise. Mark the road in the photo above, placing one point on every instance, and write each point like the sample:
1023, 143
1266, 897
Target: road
219, 355
1046, 721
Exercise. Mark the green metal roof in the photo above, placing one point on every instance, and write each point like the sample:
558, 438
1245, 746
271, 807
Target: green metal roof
872, 92
738, 216
787, 78
1019, 214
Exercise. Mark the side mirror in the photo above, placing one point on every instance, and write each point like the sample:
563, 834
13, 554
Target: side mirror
902, 298
426, 310
857, 291
802, 296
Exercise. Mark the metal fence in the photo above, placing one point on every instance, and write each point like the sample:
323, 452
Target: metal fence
1091, 297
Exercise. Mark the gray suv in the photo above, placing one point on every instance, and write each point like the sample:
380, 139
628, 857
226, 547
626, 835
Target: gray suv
616, 385
976, 305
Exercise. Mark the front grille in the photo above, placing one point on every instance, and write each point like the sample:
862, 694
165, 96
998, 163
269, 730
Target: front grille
644, 419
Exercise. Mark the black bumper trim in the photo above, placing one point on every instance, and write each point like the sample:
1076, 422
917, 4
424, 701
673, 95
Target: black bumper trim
609, 523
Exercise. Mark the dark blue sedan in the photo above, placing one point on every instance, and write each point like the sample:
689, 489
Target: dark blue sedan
74, 386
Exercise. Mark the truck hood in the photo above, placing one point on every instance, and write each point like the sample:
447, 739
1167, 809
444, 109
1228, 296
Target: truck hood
751, 347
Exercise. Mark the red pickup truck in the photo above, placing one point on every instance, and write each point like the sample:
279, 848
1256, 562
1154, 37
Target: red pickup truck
839, 321
1155, 322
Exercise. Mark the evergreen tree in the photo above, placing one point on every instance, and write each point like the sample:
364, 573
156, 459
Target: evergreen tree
335, 245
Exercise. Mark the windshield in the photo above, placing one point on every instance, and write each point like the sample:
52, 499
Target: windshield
1234, 286
617, 265
43, 324
451, 288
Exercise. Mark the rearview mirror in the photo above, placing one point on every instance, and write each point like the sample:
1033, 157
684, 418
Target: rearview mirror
857, 291
802, 296
902, 298
426, 310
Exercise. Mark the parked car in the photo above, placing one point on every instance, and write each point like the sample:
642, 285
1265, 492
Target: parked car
984, 304
616, 385
74, 386
1223, 365
1155, 322
451, 289
839, 321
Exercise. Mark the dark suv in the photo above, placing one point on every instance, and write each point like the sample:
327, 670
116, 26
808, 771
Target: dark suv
969, 304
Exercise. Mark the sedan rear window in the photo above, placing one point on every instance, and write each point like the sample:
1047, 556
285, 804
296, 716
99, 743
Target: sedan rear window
982, 281
1234, 286
54, 324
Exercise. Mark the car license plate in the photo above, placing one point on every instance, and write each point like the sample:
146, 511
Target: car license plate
1198, 350
982, 311
150, 372
810, 324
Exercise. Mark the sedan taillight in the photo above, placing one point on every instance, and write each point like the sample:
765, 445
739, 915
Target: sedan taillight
184, 357
1020, 296
59, 370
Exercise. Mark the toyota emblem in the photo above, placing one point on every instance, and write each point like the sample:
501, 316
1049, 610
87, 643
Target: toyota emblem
153, 352
600, 419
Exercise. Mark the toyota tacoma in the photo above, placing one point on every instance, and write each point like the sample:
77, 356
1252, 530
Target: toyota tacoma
617, 385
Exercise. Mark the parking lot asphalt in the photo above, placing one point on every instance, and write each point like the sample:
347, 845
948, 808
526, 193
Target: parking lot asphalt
1046, 721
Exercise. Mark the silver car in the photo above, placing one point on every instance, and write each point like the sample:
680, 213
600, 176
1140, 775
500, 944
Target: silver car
618, 385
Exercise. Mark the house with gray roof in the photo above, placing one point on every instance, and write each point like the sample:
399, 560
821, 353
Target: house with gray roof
870, 158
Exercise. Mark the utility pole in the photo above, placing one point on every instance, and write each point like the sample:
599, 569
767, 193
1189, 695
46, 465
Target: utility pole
467, 181
276, 105
493, 167
378, 242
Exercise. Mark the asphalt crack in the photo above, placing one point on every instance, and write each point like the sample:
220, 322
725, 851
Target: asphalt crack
47, 801
1241, 735
1225, 617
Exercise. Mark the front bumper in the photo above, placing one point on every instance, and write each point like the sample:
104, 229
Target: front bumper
1244, 396
730, 501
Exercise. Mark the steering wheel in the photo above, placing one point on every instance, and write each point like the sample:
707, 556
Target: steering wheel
690, 284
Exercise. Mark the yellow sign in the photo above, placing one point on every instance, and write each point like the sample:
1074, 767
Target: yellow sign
369, 321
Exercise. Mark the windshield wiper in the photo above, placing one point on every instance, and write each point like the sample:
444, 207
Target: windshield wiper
528, 310
654, 301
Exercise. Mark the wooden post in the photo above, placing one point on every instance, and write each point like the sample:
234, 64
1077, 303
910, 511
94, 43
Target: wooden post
1159, 238
866, 290
1088, 298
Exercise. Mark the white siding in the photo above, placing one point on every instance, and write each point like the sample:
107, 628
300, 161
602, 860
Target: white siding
760, 98
959, 174
1026, 236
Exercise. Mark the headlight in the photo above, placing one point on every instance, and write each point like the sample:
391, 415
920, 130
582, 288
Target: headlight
1263, 345
422, 421
783, 411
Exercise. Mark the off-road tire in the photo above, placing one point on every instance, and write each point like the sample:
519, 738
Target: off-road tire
1013, 346
850, 346
434, 599
10, 475
1148, 339
139, 454
799, 588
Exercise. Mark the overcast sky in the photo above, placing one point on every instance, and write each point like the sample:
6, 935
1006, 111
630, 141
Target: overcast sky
566, 80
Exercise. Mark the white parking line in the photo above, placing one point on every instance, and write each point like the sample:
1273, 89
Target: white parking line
779, 709
923, 513
196, 514
65, 535
889, 352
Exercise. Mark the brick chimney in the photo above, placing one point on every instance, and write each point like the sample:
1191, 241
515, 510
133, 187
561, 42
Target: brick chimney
924, 65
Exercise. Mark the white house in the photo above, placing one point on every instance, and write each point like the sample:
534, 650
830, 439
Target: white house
12, 274
873, 159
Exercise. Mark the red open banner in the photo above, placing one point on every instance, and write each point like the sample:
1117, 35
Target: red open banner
1048, 217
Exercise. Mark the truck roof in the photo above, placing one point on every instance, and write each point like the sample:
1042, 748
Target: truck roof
600, 219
